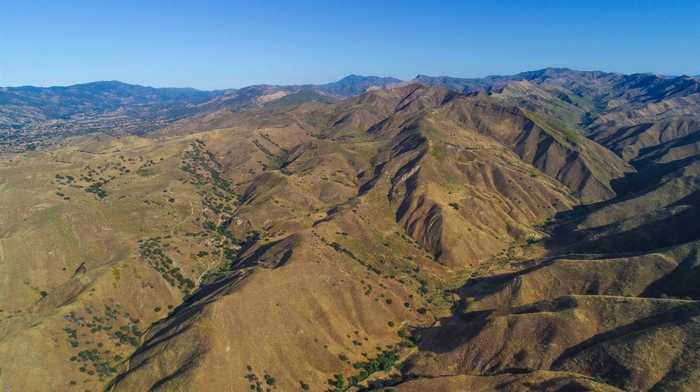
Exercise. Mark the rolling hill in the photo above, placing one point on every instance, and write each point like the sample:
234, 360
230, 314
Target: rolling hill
527, 232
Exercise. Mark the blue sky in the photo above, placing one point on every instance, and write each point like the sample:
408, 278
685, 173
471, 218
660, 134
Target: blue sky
223, 44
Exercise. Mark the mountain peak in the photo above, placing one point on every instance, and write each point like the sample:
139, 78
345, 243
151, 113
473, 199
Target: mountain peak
361, 78
354, 84
353, 77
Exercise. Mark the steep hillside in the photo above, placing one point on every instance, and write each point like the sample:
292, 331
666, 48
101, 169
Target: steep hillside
643, 118
613, 301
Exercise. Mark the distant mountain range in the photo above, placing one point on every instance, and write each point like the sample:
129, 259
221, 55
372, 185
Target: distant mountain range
28, 114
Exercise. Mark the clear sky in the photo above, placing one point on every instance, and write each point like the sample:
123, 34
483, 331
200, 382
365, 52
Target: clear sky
226, 44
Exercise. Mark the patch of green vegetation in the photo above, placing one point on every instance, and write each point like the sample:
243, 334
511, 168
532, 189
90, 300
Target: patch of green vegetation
562, 132
115, 326
219, 201
423, 289
152, 251
409, 337
231, 252
276, 162
145, 172
255, 383
96, 188
206, 170
428, 129
438, 152
384, 362
543, 224
340, 249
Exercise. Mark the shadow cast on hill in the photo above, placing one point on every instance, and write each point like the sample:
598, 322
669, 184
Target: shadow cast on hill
681, 315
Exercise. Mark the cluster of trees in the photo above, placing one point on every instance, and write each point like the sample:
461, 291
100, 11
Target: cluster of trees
384, 362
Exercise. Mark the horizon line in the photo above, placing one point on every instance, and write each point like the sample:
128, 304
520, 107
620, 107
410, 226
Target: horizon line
147, 85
